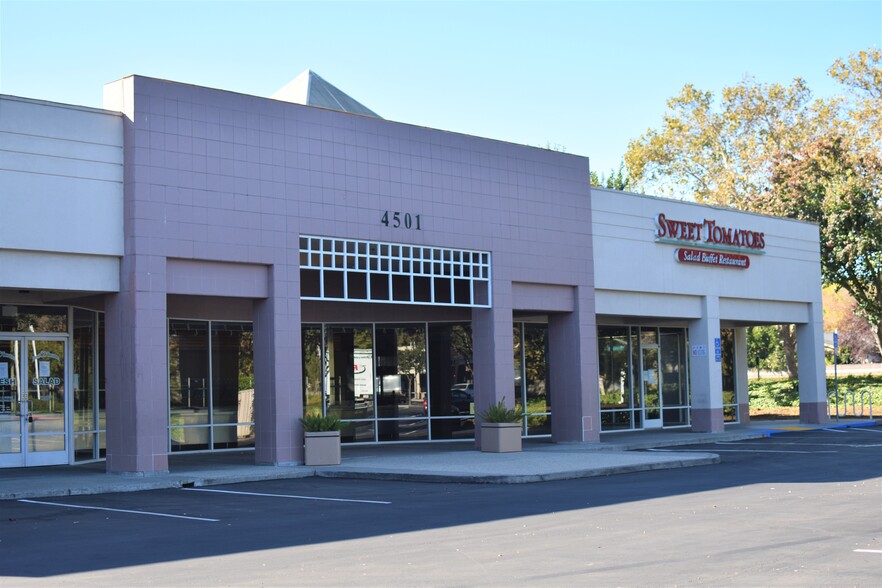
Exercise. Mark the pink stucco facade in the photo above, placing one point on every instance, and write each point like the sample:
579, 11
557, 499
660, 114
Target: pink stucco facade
218, 189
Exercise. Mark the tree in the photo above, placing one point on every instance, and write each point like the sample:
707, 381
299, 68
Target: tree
763, 349
839, 188
723, 155
856, 340
861, 74
616, 180
728, 155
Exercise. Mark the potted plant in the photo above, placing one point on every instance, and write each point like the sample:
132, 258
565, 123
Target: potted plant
501, 428
321, 439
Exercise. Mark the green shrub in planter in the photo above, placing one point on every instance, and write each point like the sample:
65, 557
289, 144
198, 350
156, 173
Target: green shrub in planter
316, 422
499, 413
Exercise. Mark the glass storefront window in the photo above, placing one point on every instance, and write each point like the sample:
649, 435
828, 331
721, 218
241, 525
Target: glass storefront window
536, 392
349, 383
33, 319
400, 381
312, 368
232, 384
730, 399
674, 375
643, 377
84, 400
375, 378
211, 384
451, 403
189, 393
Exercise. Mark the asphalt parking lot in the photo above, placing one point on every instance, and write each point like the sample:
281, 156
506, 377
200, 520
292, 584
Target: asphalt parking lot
803, 508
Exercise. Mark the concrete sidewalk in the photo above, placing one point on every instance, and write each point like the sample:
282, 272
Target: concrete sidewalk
457, 462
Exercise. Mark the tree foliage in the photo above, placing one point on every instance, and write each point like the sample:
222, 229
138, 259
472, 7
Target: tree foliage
840, 189
773, 149
616, 180
722, 155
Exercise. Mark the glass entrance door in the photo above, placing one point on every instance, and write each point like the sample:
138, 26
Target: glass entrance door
32, 401
649, 370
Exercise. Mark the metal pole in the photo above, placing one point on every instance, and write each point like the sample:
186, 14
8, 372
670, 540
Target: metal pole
835, 370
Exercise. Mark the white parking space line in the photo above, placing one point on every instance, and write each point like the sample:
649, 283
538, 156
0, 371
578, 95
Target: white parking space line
715, 450
868, 550
834, 430
287, 496
138, 512
866, 430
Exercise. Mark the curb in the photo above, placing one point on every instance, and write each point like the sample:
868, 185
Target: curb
409, 476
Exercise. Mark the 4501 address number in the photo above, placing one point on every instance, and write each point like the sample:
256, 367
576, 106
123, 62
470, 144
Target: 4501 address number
397, 220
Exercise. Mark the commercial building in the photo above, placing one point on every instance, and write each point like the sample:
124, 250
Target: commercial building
192, 269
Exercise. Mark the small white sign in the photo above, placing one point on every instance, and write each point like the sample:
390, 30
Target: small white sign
4, 370
44, 369
699, 351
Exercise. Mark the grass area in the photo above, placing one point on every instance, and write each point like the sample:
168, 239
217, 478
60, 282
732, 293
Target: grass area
780, 396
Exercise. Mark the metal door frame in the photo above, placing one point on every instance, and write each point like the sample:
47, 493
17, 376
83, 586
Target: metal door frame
25, 458
647, 422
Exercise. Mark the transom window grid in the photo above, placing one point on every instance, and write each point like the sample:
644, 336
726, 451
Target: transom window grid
370, 271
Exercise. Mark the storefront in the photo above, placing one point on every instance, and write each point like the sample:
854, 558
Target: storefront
264, 259
60, 249
677, 284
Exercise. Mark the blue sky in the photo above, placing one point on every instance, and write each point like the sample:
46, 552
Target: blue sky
588, 76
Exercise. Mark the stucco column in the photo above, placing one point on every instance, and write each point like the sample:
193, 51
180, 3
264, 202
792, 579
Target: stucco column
742, 367
493, 351
136, 367
706, 374
278, 402
811, 368
573, 371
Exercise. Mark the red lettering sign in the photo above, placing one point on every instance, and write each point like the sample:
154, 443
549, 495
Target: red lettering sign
708, 232
717, 258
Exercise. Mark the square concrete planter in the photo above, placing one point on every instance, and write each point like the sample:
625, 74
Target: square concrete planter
321, 448
500, 437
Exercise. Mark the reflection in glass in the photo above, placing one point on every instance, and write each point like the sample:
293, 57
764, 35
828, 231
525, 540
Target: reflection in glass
102, 386
350, 379
189, 397
614, 351
730, 400
33, 319
538, 399
211, 385
451, 399
10, 380
45, 394
401, 373
88, 411
672, 352
232, 383
403, 430
312, 369
649, 377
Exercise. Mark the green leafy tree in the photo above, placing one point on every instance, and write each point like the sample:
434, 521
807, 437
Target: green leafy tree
616, 180
723, 154
727, 155
861, 74
839, 188
764, 349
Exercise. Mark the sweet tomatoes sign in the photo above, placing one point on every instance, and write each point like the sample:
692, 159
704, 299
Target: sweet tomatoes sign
728, 244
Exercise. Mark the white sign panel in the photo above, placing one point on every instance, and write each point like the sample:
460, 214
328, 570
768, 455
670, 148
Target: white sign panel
363, 372
699, 351
44, 369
